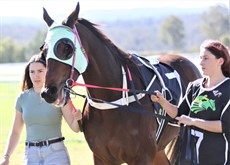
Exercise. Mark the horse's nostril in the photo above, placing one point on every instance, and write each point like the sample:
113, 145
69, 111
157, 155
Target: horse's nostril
43, 94
50, 94
52, 90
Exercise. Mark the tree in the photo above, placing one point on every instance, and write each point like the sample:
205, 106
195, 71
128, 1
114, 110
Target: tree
225, 39
215, 22
11, 52
172, 32
36, 43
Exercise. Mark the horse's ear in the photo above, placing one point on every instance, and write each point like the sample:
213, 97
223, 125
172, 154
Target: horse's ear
43, 56
72, 18
47, 18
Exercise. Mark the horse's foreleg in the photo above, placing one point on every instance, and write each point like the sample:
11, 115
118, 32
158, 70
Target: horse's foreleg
161, 159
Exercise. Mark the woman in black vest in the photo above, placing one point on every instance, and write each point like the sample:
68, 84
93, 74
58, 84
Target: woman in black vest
205, 109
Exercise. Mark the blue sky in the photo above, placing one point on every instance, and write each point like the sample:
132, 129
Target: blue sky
33, 8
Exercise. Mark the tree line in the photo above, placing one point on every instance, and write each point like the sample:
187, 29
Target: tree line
173, 33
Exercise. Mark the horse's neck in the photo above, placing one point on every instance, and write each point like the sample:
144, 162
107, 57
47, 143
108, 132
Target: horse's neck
103, 65
103, 74
103, 69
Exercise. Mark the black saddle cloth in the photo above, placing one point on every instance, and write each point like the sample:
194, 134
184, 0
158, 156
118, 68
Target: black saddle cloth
147, 72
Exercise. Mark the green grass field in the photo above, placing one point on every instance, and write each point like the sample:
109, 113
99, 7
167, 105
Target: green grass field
79, 151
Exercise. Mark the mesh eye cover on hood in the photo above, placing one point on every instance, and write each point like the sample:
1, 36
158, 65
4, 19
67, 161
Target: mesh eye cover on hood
57, 32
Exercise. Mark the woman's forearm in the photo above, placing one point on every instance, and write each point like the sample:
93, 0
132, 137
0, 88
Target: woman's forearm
72, 117
212, 126
15, 134
75, 126
170, 109
11, 144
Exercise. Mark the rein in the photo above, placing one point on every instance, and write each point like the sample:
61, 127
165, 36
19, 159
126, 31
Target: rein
109, 88
125, 107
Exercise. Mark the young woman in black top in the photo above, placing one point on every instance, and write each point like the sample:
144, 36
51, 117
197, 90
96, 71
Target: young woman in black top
205, 107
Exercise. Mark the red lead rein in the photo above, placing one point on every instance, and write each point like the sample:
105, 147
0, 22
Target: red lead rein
71, 103
99, 87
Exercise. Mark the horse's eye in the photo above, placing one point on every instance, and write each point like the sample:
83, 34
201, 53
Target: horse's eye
64, 49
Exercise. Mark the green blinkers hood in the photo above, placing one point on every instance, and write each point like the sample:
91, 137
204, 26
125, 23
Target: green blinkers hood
57, 32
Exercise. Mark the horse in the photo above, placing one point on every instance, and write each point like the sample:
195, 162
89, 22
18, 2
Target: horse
114, 132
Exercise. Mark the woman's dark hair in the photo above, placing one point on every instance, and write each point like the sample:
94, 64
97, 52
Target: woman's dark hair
219, 50
26, 82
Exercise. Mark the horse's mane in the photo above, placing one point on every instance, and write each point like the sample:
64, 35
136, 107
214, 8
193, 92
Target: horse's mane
122, 56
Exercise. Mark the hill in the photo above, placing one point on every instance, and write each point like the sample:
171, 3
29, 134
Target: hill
23, 29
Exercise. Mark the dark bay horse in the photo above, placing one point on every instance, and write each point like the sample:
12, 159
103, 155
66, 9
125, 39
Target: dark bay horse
115, 135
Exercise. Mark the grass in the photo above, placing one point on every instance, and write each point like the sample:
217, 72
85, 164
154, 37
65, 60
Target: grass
79, 151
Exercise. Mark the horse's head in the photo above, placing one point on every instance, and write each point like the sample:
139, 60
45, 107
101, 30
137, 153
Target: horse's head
65, 57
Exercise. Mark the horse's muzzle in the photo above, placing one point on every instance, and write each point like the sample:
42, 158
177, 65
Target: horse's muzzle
50, 94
